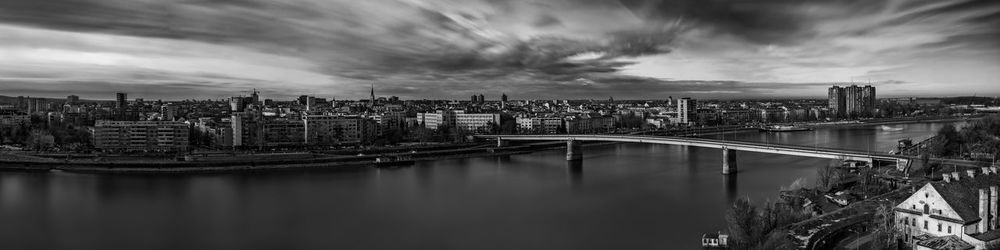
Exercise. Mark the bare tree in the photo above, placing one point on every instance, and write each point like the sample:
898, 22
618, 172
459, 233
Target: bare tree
884, 230
828, 176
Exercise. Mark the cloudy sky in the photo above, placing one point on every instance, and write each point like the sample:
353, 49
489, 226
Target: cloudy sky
529, 49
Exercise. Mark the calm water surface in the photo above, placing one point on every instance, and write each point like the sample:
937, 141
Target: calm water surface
623, 196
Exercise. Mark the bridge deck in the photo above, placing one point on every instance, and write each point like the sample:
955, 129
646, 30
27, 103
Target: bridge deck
820, 152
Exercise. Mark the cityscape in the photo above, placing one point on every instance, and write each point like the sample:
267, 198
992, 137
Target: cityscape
512, 124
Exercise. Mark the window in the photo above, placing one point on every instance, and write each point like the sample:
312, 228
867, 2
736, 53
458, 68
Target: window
927, 195
949, 229
927, 209
925, 225
939, 227
913, 222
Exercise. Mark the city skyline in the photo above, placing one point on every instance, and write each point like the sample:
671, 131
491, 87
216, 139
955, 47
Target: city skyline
527, 49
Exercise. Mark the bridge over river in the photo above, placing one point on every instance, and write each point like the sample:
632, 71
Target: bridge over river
728, 147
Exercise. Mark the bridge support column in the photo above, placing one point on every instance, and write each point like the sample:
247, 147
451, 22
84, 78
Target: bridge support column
728, 161
902, 164
574, 151
501, 143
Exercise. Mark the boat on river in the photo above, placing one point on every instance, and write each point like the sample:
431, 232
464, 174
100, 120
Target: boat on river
887, 128
393, 161
783, 128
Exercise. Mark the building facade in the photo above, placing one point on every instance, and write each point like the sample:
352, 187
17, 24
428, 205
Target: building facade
686, 108
852, 101
459, 119
539, 125
126, 136
338, 129
960, 211
586, 125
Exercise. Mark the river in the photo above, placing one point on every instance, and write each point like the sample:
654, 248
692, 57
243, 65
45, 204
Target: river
623, 196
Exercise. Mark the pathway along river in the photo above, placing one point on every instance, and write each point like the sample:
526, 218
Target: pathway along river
624, 196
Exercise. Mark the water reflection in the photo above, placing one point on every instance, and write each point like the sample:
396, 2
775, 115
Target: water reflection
575, 171
732, 187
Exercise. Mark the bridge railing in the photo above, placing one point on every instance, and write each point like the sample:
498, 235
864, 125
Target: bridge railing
719, 142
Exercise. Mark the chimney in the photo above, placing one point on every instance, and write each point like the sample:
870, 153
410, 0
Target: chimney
971, 172
994, 221
946, 177
954, 176
983, 211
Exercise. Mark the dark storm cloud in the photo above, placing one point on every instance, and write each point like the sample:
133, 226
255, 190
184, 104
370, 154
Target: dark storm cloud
470, 43
768, 21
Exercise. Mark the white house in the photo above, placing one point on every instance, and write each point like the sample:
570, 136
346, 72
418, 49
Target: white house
959, 212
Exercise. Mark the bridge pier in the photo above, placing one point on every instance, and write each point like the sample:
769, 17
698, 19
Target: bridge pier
574, 151
501, 143
728, 161
902, 164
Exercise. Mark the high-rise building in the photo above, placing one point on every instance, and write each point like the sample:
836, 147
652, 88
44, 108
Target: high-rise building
686, 108
869, 104
836, 101
121, 101
482, 98
247, 129
503, 97
169, 112
303, 99
73, 99
852, 101
237, 104
22, 103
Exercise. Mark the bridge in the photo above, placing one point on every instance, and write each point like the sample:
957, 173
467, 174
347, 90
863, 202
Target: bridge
574, 151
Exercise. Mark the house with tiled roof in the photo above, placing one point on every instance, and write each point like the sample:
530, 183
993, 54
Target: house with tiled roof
959, 212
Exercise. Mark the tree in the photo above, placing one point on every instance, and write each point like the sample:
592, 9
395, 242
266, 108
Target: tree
741, 221
884, 231
39, 139
949, 142
752, 228
828, 176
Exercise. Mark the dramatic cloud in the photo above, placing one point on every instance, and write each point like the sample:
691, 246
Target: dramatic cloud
528, 49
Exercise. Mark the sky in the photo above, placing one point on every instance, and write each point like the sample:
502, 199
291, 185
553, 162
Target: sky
528, 49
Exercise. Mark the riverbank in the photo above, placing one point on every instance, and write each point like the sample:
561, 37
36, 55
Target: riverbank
253, 163
886, 121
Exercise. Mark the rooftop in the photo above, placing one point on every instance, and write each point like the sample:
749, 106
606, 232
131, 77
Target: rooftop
963, 194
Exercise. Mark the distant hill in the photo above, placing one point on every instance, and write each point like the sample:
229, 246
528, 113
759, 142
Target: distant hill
966, 100
13, 99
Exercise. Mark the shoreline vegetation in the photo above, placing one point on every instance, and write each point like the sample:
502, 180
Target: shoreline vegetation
209, 163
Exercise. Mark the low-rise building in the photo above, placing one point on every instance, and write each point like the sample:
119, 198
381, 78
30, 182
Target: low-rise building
586, 125
338, 129
539, 125
126, 136
11, 117
473, 122
960, 209
284, 133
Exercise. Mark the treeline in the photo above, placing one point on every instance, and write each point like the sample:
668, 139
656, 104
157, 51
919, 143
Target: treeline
751, 227
978, 140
